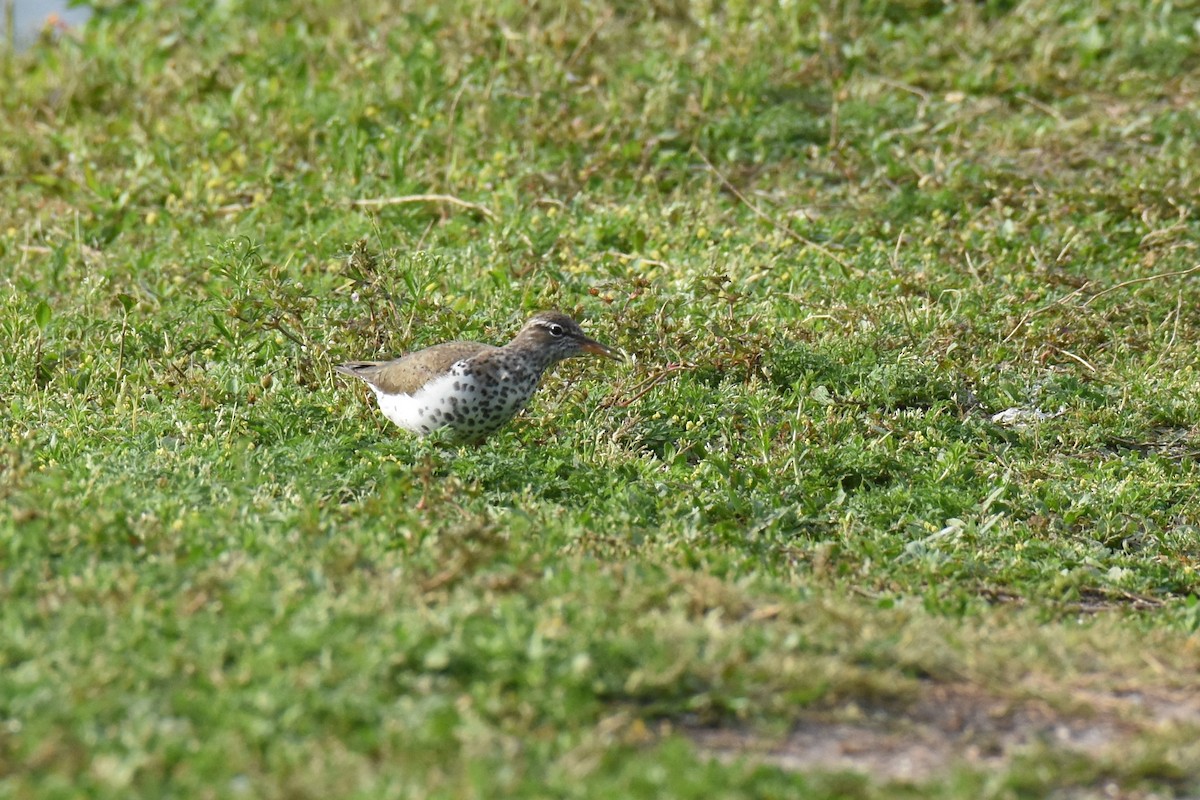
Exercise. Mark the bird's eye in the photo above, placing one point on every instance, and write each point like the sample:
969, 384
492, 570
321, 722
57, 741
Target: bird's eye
556, 330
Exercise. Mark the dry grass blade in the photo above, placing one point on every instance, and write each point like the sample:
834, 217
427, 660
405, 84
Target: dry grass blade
1147, 279
1060, 301
407, 199
758, 212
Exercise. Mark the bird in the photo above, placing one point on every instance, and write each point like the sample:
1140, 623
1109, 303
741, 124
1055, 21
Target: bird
472, 388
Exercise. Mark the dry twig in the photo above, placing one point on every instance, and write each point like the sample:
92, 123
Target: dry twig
642, 389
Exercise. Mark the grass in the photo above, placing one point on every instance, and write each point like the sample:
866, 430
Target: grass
835, 240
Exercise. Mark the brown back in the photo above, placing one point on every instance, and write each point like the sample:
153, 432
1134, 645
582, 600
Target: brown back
409, 373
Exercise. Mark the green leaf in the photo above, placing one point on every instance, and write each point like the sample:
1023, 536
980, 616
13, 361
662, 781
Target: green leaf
42, 314
221, 327
126, 300
89, 180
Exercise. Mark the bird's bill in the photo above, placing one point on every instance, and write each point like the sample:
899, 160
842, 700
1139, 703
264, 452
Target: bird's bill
597, 349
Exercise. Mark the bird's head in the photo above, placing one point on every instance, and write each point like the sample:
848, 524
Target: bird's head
561, 337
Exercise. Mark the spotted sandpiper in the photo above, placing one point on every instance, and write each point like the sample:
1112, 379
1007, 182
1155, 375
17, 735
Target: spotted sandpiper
473, 388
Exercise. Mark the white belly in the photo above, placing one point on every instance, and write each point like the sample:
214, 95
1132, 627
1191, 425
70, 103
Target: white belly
456, 401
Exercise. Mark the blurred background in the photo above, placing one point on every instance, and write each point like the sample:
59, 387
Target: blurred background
23, 19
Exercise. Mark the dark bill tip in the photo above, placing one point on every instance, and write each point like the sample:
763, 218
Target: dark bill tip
597, 349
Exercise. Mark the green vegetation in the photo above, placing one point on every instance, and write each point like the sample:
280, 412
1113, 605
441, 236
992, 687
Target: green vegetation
836, 239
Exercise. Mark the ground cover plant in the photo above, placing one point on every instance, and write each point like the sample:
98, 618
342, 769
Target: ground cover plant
897, 495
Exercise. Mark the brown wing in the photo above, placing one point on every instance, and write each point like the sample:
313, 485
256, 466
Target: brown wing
409, 373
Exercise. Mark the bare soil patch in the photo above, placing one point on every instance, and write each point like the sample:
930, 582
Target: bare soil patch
953, 725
